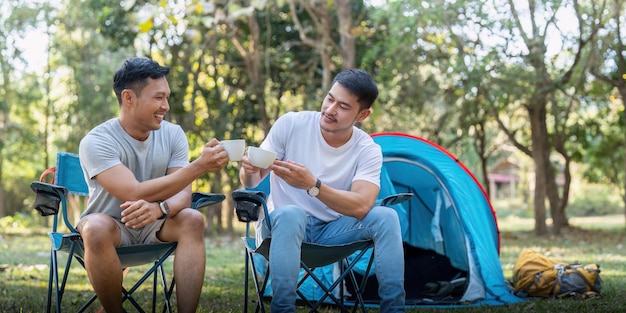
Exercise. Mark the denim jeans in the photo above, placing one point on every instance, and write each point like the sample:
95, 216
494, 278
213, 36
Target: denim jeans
291, 226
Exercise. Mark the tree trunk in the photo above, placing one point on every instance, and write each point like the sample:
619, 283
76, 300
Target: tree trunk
346, 40
2, 208
481, 144
559, 203
322, 40
537, 115
623, 93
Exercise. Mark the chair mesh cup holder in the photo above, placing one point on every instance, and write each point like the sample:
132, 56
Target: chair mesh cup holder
248, 204
48, 199
47, 203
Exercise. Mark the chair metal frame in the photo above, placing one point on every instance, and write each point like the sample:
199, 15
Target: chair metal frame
52, 197
248, 203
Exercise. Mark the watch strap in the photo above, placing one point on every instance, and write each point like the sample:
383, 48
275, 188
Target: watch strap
165, 209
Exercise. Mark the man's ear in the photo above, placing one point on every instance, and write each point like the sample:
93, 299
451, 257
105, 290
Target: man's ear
128, 97
364, 114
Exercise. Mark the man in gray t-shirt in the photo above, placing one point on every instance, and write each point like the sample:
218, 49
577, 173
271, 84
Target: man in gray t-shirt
139, 178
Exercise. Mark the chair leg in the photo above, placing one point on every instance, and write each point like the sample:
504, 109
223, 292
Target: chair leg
327, 292
128, 294
261, 306
346, 273
361, 286
59, 283
359, 295
245, 282
154, 291
168, 292
259, 291
305, 275
53, 278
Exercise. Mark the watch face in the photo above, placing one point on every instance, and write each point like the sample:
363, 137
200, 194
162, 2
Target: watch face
164, 208
313, 192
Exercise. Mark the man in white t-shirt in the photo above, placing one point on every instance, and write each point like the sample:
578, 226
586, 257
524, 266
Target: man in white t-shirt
139, 178
324, 184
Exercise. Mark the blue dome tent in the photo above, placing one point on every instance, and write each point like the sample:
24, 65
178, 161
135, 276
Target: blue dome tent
450, 216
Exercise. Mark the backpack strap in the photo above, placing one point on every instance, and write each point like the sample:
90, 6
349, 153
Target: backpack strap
557, 282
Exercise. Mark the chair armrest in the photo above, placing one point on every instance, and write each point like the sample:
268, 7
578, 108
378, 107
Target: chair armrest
48, 197
396, 198
248, 203
202, 199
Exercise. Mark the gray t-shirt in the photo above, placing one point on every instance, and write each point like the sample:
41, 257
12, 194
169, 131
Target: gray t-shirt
108, 145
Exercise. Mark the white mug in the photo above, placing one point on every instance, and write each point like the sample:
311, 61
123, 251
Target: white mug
235, 148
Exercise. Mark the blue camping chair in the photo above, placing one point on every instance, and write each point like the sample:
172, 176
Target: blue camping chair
248, 204
52, 197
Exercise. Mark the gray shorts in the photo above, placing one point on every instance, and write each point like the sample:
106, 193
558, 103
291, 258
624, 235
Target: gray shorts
131, 236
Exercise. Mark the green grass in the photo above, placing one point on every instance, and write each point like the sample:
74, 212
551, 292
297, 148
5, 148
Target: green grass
24, 269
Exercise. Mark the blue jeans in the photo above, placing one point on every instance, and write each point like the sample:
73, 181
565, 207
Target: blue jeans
291, 226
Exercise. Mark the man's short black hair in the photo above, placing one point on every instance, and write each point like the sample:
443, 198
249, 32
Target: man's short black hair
133, 75
361, 84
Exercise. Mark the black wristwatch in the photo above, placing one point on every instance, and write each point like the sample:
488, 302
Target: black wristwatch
165, 209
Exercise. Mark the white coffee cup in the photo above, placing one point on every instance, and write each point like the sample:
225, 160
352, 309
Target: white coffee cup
261, 158
235, 148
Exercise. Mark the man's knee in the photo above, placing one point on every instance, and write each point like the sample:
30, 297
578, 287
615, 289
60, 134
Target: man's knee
289, 221
383, 215
191, 220
289, 214
99, 229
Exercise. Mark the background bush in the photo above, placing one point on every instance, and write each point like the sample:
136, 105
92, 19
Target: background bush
595, 200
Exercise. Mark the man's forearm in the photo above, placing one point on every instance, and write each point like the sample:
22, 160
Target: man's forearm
179, 201
169, 185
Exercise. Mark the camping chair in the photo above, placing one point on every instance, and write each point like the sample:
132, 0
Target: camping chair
52, 197
248, 204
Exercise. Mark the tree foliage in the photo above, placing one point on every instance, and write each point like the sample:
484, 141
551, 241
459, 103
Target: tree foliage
477, 77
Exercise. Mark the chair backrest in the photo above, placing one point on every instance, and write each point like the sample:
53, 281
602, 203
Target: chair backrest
69, 174
263, 186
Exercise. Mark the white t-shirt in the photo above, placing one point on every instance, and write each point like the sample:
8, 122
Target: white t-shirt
297, 136
108, 145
